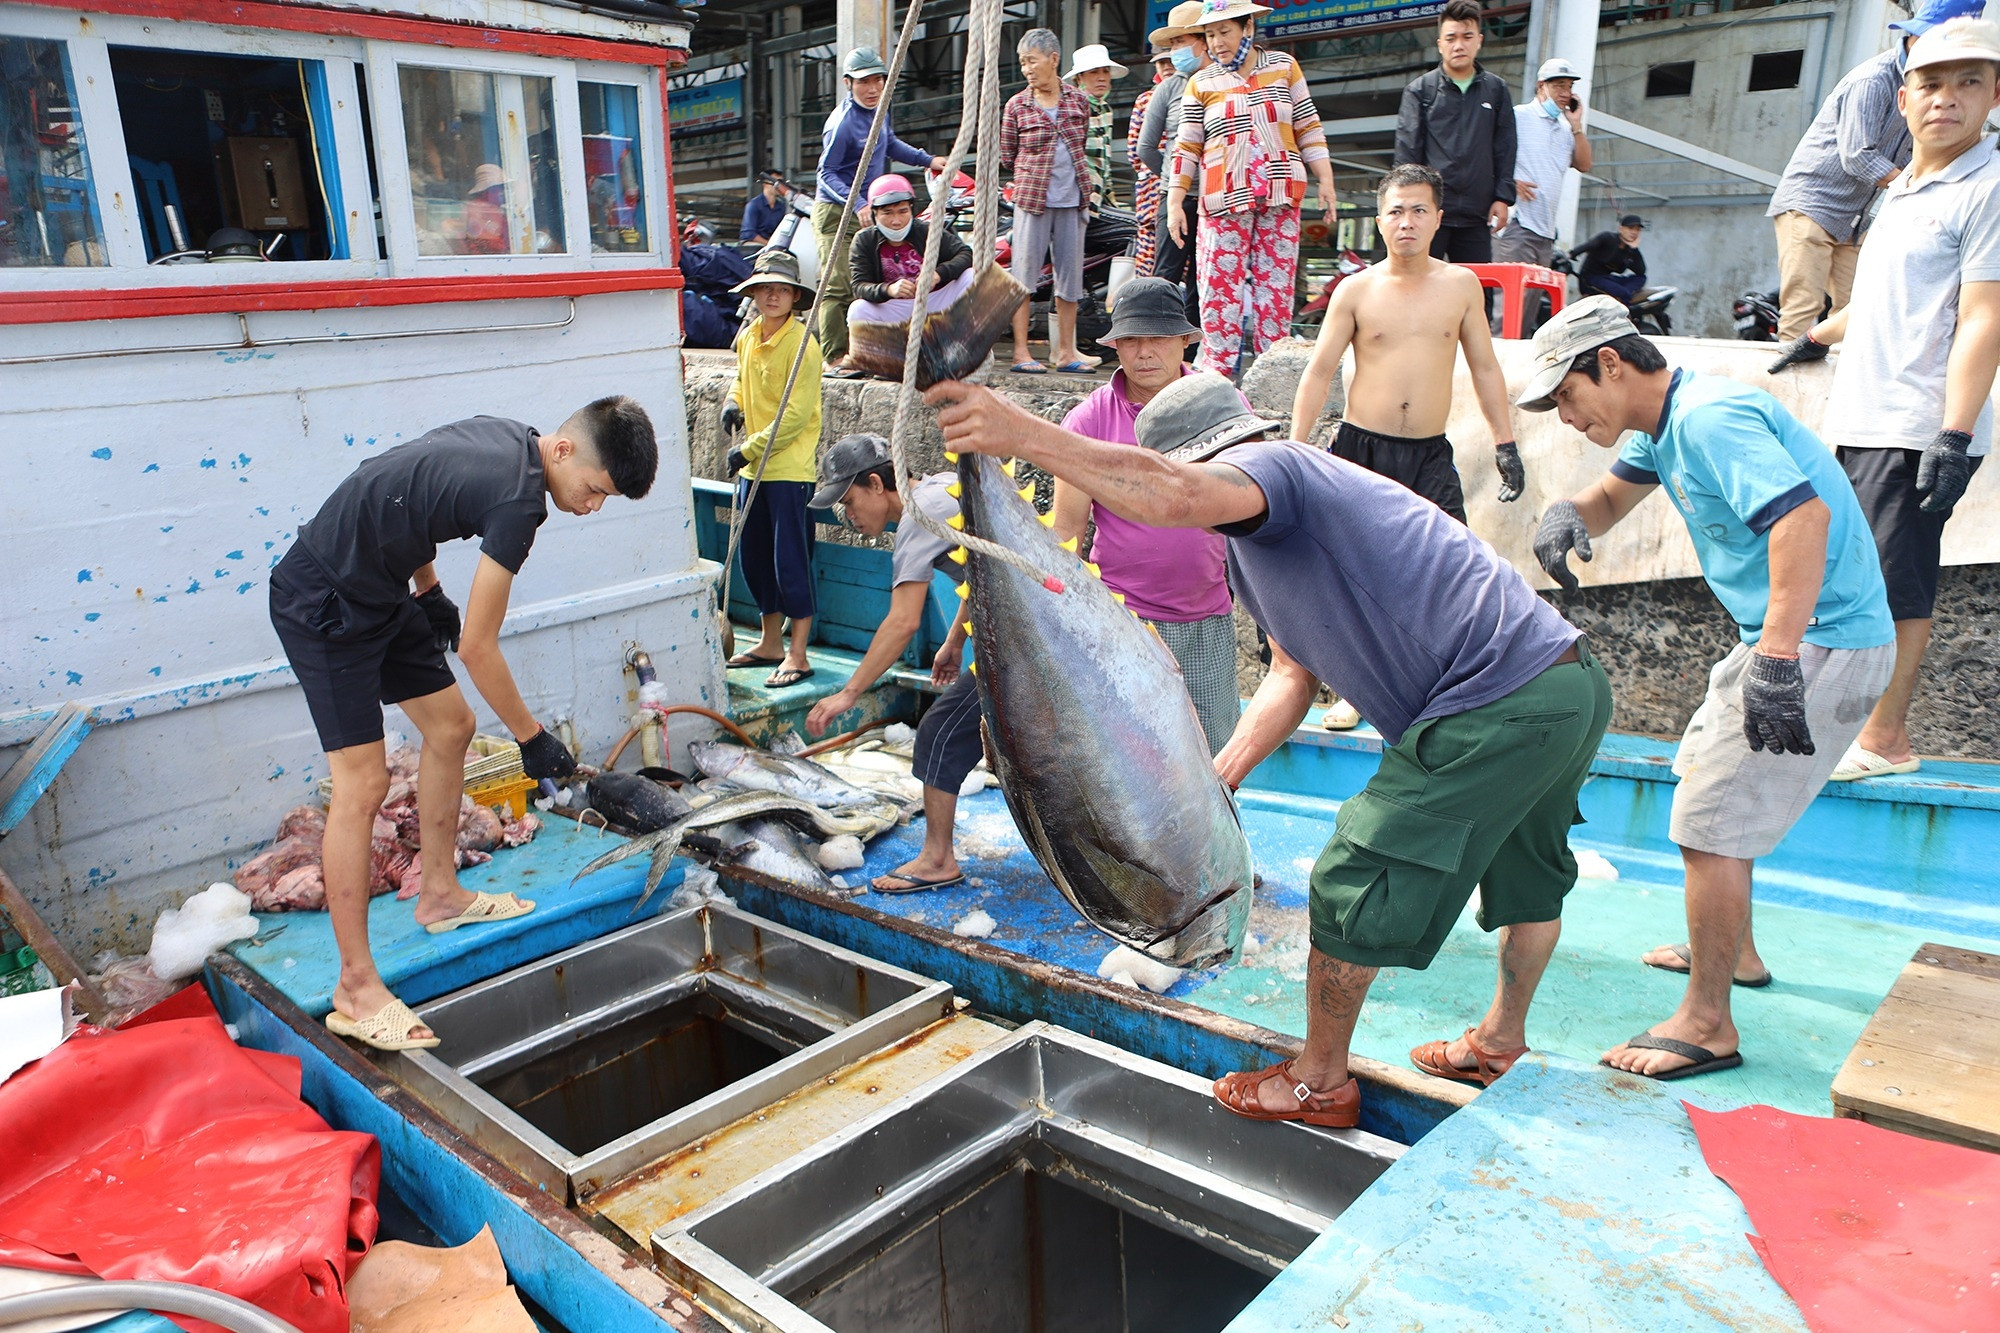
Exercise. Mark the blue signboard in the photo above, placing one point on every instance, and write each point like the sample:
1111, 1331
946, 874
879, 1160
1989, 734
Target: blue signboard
706, 106
1308, 18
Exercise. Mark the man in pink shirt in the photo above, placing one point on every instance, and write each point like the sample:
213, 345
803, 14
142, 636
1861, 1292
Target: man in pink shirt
1171, 577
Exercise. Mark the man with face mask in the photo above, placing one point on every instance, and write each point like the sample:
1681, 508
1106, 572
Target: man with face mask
1548, 141
888, 254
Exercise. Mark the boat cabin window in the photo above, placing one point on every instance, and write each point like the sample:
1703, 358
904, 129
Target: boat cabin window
614, 165
230, 155
485, 171
48, 210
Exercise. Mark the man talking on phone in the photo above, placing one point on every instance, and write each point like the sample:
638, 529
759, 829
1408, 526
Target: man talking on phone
1548, 141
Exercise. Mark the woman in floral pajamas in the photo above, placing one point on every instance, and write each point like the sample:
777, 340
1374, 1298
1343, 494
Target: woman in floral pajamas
1250, 135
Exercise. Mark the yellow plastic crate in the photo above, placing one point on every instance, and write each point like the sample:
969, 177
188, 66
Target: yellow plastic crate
494, 779
507, 795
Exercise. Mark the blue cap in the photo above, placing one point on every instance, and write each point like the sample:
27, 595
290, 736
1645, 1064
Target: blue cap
1933, 12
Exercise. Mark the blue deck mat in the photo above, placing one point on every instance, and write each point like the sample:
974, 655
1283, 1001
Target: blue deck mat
1565, 1197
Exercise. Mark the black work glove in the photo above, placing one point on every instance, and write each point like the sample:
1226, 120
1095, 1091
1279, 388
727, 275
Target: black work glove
1774, 706
1561, 532
1945, 469
736, 462
1513, 477
442, 612
1799, 350
732, 417
543, 756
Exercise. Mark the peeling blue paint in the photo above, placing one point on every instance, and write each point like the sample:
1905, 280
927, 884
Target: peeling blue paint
83, 576
92, 615
194, 585
244, 587
242, 460
159, 599
168, 528
208, 462
348, 440
76, 679
233, 555
100, 453
269, 545
150, 467
154, 671
265, 512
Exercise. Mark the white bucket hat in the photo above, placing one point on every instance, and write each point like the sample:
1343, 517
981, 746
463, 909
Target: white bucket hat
1094, 56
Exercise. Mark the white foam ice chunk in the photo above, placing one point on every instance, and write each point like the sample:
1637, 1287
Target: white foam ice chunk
898, 733
186, 935
1123, 979
839, 881
975, 782
841, 853
1150, 973
699, 885
975, 925
653, 694
1590, 865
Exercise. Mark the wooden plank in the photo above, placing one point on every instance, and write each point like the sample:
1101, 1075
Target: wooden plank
37, 768
1948, 1099
1954, 959
1921, 1028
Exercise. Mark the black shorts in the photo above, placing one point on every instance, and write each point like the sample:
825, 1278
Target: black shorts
948, 742
1423, 466
1906, 538
351, 659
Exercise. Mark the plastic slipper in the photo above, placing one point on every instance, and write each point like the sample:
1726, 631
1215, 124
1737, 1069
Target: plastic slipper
752, 660
1705, 1060
387, 1029
1680, 951
485, 908
1486, 1065
790, 676
1340, 715
846, 373
1075, 368
1030, 368
1860, 763
914, 884
1338, 1109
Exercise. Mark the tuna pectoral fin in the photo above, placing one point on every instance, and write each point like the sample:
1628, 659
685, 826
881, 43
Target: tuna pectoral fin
1212, 937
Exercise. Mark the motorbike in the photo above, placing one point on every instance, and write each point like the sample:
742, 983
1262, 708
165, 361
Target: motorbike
1313, 313
1649, 310
1756, 316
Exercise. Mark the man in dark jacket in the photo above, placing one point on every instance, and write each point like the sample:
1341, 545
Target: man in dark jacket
1610, 263
1458, 119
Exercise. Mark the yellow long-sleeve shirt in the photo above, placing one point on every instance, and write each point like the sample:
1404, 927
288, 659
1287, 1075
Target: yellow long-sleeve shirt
762, 366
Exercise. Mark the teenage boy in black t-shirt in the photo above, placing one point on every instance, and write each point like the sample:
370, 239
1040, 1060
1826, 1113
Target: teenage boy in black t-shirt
365, 622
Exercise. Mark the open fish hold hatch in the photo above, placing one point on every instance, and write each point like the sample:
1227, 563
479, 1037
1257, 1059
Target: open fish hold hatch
1049, 1181
589, 1064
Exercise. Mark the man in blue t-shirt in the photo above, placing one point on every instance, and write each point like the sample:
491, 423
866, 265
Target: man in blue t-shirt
1490, 705
1784, 545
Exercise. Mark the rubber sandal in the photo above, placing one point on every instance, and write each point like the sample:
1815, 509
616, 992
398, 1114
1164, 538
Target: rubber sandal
1075, 368
752, 660
387, 1029
1340, 715
1487, 1065
1680, 951
1337, 1109
1705, 1060
790, 676
1029, 368
1858, 763
915, 884
846, 373
484, 908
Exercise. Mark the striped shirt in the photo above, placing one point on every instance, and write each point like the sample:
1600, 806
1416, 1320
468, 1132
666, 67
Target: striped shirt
1543, 150
1028, 140
1857, 138
1253, 134
1097, 151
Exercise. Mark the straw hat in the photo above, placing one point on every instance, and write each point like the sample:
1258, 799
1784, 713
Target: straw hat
1094, 56
1217, 11
1183, 20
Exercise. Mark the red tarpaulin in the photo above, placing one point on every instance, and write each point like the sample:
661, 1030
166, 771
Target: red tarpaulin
1867, 1229
165, 1150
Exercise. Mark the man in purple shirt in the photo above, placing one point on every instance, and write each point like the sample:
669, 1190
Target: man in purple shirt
1171, 577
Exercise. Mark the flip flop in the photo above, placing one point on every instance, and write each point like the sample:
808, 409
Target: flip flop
387, 1029
485, 908
1859, 763
1680, 951
914, 884
1029, 368
790, 676
752, 660
1705, 1060
846, 373
1075, 368
1486, 1065
1337, 1109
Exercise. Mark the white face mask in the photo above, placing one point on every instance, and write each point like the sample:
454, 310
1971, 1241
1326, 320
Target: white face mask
895, 233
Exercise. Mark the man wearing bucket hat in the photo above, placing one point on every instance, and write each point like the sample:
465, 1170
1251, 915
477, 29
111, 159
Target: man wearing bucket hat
1091, 70
1908, 414
1170, 577
777, 539
1489, 703
860, 478
1785, 548
842, 172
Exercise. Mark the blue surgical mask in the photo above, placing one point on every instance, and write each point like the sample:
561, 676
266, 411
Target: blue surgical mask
1186, 60
1550, 109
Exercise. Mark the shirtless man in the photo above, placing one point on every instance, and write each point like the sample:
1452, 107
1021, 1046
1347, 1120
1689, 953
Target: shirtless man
1406, 318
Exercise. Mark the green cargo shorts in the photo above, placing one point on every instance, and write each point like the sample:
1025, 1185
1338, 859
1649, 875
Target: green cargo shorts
1482, 798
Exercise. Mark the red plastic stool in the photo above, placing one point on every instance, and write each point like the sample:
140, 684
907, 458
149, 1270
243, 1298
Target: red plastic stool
1515, 281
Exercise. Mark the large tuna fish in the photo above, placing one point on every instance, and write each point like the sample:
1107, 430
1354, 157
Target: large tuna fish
1097, 747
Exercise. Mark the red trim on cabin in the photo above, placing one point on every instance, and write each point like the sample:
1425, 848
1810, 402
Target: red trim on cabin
381, 27
145, 303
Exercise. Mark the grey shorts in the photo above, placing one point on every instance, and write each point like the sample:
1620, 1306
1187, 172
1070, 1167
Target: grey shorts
1736, 801
1517, 245
1055, 234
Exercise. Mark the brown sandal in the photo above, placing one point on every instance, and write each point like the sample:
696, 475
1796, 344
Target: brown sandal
1487, 1065
1339, 1108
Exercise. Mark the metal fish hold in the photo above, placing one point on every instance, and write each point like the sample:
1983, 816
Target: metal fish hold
956, 339
1097, 747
